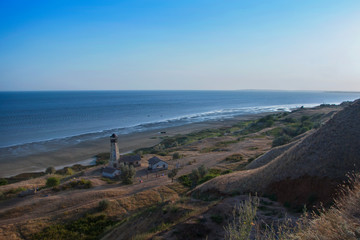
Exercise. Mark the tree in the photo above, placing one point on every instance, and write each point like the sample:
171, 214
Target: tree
104, 204
202, 171
69, 171
176, 155
195, 177
127, 174
173, 173
52, 181
50, 170
3, 181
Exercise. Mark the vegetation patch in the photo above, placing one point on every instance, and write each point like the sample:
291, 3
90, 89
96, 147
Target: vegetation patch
104, 204
200, 175
108, 180
217, 218
127, 174
23, 177
74, 184
259, 124
102, 158
180, 140
52, 182
3, 181
85, 228
294, 127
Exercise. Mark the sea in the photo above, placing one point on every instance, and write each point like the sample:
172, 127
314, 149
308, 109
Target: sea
76, 116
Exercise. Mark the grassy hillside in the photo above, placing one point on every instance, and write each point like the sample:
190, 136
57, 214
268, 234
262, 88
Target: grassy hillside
306, 172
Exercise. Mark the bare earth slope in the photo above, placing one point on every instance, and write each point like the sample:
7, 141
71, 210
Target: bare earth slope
312, 166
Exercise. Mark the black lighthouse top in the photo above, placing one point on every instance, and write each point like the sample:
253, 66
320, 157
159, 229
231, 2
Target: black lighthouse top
113, 138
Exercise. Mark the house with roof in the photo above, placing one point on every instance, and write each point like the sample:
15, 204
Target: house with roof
157, 164
110, 172
134, 160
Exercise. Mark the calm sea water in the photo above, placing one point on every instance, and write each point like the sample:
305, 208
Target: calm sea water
28, 117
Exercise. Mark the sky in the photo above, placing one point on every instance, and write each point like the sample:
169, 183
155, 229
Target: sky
179, 45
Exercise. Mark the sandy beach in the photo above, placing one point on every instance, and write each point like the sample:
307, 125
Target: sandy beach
84, 152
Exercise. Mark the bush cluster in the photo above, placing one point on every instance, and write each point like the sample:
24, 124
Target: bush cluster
3, 181
234, 158
127, 174
294, 128
260, 124
200, 175
102, 158
52, 182
104, 204
173, 173
176, 155
86, 228
50, 170
180, 140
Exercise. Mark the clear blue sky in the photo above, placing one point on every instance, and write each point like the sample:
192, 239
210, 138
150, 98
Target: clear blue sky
180, 44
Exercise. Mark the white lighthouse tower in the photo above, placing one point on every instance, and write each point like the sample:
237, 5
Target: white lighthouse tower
114, 151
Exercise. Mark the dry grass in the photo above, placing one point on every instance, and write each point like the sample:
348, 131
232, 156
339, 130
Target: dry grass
331, 151
342, 221
147, 198
243, 220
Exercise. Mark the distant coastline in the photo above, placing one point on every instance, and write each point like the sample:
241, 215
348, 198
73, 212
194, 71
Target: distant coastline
83, 152
45, 131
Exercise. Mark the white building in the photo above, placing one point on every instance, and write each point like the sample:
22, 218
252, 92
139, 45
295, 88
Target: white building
156, 163
110, 172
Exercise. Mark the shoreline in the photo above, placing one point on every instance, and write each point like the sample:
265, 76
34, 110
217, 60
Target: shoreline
85, 151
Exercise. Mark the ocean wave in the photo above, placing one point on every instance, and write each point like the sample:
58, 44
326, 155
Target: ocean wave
56, 143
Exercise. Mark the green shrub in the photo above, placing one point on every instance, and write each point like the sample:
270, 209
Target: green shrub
260, 124
3, 181
52, 182
185, 180
226, 172
217, 218
284, 139
202, 171
234, 158
194, 177
176, 155
16, 190
108, 180
2, 196
215, 171
82, 183
173, 173
305, 118
104, 204
127, 174
69, 171
85, 228
206, 178
290, 120
50, 170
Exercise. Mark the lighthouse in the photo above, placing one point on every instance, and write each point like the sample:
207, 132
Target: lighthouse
114, 151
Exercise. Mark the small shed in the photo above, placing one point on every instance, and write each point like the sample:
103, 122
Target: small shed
110, 172
134, 160
156, 163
